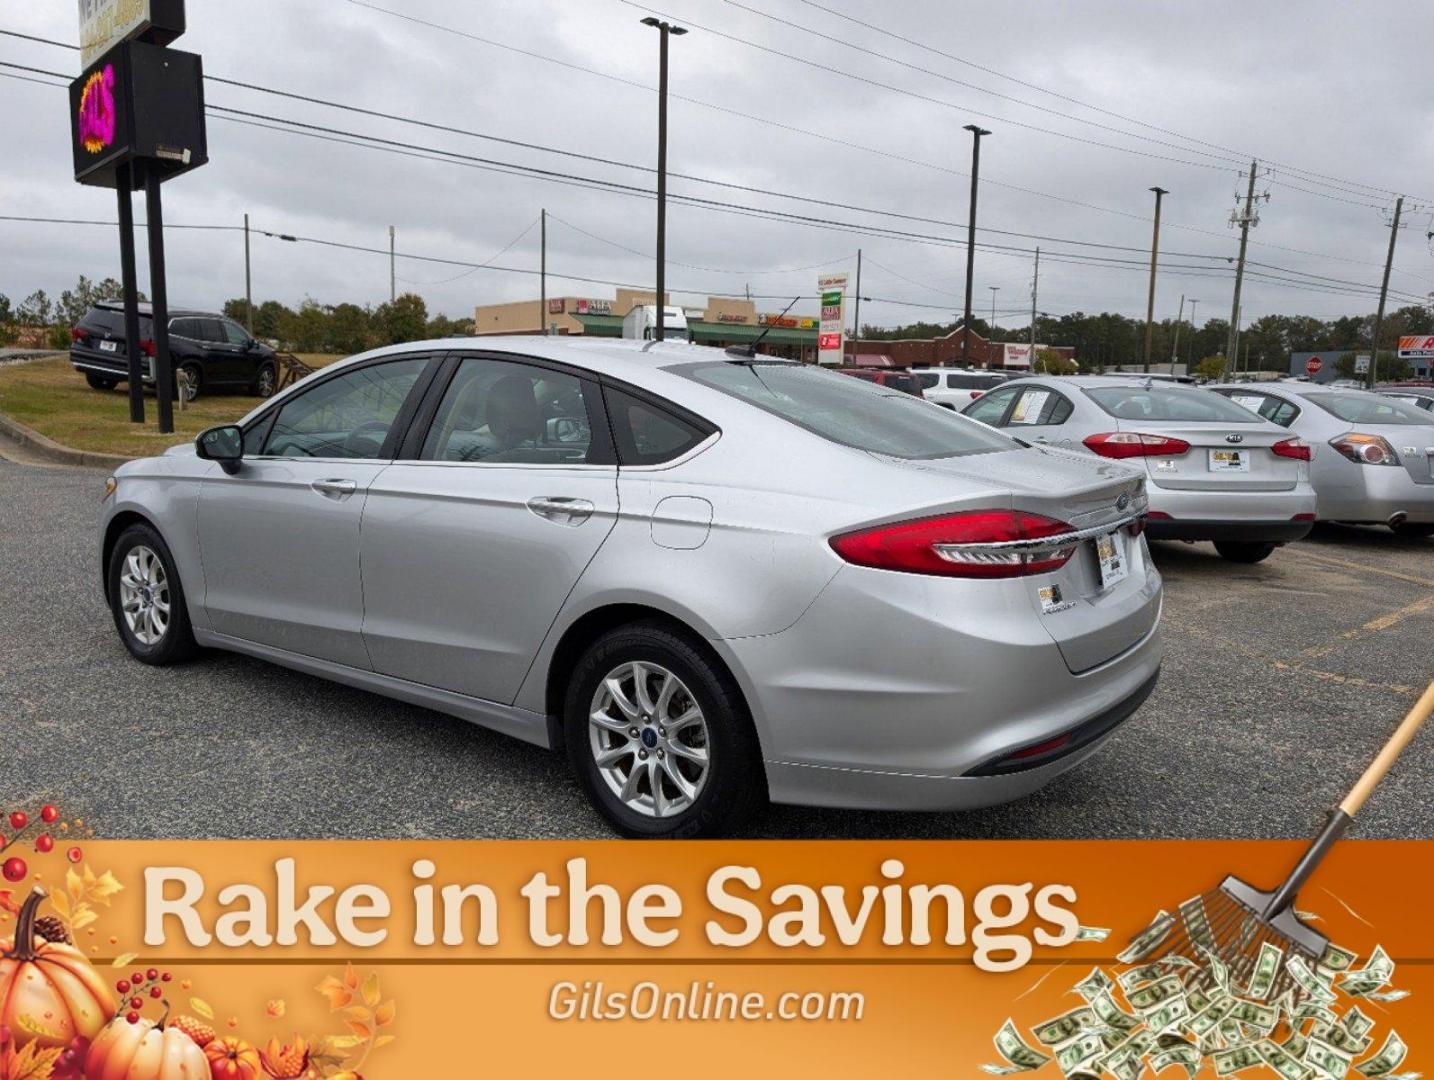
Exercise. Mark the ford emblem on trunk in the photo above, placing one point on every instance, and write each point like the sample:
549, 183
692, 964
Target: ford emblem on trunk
1122, 502
1234, 438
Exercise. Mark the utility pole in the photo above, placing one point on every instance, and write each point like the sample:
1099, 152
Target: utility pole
992, 328
1245, 220
1384, 291
543, 271
1160, 193
1175, 345
1035, 287
665, 30
976, 133
248, 287
856, 320
392, 274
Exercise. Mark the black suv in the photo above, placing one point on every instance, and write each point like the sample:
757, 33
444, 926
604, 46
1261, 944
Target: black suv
214, 352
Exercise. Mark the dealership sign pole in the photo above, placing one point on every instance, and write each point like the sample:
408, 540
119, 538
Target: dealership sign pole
833, 322
136, 120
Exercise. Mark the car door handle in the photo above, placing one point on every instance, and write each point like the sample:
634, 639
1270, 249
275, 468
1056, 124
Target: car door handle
335, 489
561, 509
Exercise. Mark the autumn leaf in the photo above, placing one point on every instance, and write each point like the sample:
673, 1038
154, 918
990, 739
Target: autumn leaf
61, 903
84, 915
371, 993
7, 902
338, 994
359, 1013
383, 1040
363, 1031
351, 979
276, 1008
202, 1007
103, 888
33, 1063
74, 885
336, 1043
123, 960
384, 1014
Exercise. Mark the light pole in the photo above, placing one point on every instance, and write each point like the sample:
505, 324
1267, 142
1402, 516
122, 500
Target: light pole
976, 133
1175, 345
994, 290
1160, 193
664, 31
1191, 359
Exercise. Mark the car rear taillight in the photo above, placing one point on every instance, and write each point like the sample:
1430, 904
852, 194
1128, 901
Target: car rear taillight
1292, 448
147, 347
77, 335
974, 544
976, 393
1365, 449
1303, 517
1129, 444
1157, 515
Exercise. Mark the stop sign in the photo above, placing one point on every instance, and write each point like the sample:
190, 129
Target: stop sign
1314, 365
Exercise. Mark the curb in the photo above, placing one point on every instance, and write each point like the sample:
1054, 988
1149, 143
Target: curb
50, 450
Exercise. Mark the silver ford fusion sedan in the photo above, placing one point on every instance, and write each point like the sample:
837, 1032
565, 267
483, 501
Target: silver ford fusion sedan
1216, 472
712, 579
1374, 460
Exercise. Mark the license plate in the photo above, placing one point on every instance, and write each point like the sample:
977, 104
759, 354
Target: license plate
1110, 556
109, 346
1229, 461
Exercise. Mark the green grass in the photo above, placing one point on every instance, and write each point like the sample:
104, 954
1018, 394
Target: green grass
53, 398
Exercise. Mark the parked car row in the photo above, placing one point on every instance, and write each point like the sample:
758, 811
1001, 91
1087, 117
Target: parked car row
213, 352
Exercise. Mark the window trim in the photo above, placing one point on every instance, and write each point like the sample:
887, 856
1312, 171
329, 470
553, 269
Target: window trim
602, 454
401, 421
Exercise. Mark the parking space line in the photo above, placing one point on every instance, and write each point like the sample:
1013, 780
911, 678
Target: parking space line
1366, 568
1299, 668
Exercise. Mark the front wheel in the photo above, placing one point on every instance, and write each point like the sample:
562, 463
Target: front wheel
266, 381
659, 737
1414, 530
147, 600
1244, 551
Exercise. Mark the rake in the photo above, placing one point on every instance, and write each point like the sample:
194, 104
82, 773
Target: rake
1235, 920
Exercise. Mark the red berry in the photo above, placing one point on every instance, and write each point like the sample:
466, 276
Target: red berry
155, 991
48, 813
152, 974
18, 820
44, 843
74, 854
122, 986
136, 1003
132, 1017
166, 977
4, 840
14, 869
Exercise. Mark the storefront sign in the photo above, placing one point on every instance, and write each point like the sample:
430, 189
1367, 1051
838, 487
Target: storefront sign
833, 321
557, 307
106, 23
1416, 348
592, 307
731, 317
1017, 356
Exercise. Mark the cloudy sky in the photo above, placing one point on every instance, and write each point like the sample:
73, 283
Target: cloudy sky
1090, 104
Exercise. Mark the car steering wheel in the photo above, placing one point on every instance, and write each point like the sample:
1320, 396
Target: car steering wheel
359, 444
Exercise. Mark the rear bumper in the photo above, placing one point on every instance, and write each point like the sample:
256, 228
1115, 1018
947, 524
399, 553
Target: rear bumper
1374, 494
894, 690
1256, 532
111, 367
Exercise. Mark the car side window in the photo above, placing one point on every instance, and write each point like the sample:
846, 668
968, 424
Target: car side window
210, 331
647, 434
185, 328
498, 412
1274, 409
233, 333
347, 416
1038, 406
991, 408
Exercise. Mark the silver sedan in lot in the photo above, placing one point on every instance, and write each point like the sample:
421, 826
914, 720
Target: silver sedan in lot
711, 578
1215, 471
1374, 454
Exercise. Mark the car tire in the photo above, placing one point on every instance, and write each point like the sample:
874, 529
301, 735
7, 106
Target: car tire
1414, 530
1244, 551
716, 755
195, 374
147, 599
99, 382
266, 381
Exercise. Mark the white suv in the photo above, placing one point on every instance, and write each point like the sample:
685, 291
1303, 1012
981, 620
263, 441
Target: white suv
955, 388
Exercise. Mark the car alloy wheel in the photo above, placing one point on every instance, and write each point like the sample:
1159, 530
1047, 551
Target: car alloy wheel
192, 379
144, 595
264, 384
649, 739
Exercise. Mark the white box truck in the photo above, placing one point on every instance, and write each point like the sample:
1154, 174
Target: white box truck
641, 321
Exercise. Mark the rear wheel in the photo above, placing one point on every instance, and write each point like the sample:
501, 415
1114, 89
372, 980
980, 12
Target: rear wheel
1244, 551
266, 381
99, 382
193, 380
147, 600
660, 738
1414, 530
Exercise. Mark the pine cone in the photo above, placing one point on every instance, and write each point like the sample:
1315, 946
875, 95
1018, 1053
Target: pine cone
52, 929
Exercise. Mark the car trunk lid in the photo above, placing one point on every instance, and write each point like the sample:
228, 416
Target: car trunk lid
1222, 457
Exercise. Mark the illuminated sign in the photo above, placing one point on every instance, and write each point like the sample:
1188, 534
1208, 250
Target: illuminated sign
106, 23
95, 128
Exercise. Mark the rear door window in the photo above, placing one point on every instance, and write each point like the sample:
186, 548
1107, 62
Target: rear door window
1038, 406
186, 328
881, 420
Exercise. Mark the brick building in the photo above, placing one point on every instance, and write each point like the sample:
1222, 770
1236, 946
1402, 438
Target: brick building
946, 351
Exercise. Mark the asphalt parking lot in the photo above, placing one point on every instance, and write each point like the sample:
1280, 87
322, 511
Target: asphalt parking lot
1280, 681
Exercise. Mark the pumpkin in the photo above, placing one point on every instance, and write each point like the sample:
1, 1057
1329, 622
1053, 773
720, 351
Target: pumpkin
49, 993
144, 1050
233, 1059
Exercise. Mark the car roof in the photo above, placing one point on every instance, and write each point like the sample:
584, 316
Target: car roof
1094, 381
146, 308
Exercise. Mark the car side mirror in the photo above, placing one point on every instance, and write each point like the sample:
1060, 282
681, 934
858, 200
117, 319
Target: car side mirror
224, 444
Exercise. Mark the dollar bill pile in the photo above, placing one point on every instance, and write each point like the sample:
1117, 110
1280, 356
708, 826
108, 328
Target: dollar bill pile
1193, 1011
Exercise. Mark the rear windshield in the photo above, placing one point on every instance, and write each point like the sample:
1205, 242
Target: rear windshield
107, 320
850, 412
927, 379
1358, 407
1168, 403
907, 384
